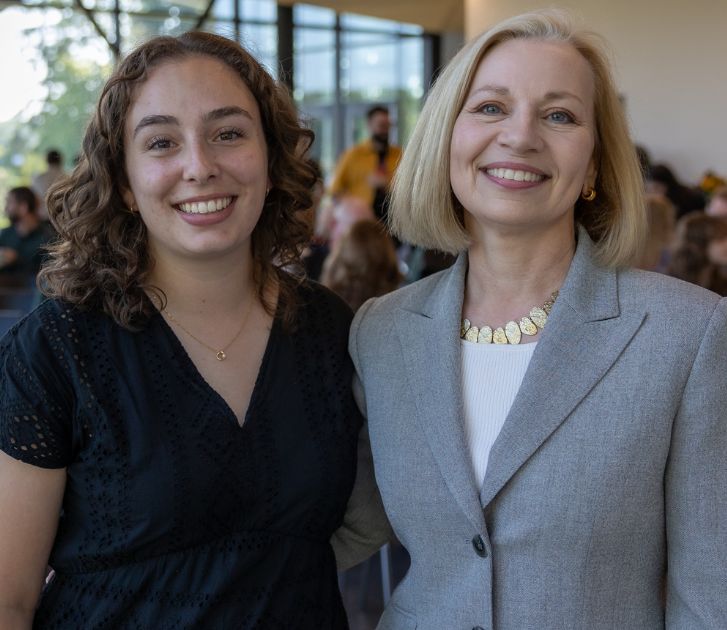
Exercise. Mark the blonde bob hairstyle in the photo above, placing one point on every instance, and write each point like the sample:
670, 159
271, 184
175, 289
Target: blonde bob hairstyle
424, 210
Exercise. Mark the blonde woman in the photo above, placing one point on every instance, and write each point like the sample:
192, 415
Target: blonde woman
548, 426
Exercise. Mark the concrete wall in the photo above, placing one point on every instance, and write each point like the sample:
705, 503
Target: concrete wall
670, 61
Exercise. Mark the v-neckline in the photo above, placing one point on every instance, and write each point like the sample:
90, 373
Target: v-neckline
189, 368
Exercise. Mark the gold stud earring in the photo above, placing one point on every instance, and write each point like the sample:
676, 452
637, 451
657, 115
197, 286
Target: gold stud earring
589, 194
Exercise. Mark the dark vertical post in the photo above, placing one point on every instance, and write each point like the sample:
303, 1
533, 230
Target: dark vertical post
285, 45
432, 57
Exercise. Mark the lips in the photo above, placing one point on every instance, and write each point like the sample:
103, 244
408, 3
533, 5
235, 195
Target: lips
208, 206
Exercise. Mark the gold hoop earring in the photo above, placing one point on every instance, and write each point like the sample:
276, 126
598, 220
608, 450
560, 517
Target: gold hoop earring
589, 195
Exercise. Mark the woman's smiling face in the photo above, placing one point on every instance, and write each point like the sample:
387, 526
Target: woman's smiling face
522, 145
196, 159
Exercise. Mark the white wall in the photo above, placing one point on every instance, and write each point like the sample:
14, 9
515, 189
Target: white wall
670, 62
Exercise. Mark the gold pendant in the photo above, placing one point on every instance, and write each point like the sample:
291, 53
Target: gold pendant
527, 327
538, 316
485, 335
221, 356
498, 336
512, 332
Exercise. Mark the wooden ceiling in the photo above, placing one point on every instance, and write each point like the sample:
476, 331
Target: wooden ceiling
435, 16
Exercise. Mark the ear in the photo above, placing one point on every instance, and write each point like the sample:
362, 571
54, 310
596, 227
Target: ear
591, 175
128, 198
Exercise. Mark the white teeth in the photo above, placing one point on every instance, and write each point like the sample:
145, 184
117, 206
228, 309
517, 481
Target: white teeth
518, 176
205, 207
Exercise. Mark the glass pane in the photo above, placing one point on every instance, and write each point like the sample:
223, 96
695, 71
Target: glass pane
369, 67
306, 14
314, 66
259, 10
262, 42
364, 22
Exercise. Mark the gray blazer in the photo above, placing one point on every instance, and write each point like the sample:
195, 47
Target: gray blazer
611, 465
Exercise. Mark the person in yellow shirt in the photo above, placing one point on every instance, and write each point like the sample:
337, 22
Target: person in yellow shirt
366, 169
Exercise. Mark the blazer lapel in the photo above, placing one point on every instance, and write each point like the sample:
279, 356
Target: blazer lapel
586, 333
429, 335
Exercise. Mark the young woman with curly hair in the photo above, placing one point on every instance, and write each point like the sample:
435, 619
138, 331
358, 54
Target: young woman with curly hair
178, 431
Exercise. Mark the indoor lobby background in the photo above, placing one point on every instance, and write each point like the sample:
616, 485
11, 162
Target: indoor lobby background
339, 57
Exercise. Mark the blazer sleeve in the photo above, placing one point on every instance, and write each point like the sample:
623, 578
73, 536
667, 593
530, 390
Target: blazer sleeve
696, 490
365, 527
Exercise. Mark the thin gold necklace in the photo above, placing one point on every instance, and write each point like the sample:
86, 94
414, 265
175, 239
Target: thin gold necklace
220, 354
513, 331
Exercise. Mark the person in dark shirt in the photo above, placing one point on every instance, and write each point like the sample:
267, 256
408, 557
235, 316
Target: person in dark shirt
21, 244
178, 432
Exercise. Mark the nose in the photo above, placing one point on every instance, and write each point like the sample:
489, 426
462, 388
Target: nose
521, 133
200, 164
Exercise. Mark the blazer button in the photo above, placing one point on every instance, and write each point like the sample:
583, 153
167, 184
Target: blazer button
478, 628
479, 544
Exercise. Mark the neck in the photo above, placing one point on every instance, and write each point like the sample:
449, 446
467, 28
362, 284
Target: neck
27, 224
204, 288
509, 273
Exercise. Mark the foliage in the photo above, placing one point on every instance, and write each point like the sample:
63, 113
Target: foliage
76, 69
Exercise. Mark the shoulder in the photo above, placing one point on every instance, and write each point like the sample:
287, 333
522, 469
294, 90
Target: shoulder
412, 297
661, 294
50, 330
362, 149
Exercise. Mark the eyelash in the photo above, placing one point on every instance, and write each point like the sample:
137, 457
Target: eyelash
232, 130
153, 144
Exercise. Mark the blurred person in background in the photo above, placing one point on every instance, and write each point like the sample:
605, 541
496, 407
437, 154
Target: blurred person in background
661, 219
717, 206
43, 181
700, 252
661, 180
365, 171
362, 264
22, 242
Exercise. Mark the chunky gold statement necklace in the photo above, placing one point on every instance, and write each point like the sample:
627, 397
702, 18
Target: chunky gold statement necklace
221, 353
513, 331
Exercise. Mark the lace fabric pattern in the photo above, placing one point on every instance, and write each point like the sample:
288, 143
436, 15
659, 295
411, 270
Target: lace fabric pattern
174, 516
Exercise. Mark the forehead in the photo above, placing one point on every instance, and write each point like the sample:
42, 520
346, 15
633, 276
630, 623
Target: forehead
536, 67
190, 85
377, 117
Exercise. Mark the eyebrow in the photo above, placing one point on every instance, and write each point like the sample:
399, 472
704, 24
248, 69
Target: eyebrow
549, 96
215, 114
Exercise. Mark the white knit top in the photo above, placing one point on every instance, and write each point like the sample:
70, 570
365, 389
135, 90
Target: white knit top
491, 377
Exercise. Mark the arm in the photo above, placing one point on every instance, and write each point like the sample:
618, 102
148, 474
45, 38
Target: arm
30, 503
696, 490
365, 527
339, 185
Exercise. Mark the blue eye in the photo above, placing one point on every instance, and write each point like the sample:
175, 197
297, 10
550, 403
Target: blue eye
560, 117
491, 109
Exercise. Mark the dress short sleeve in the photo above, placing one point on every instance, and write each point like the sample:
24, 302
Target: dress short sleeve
35, 396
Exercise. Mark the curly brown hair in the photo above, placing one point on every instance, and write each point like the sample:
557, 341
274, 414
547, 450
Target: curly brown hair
101, 259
